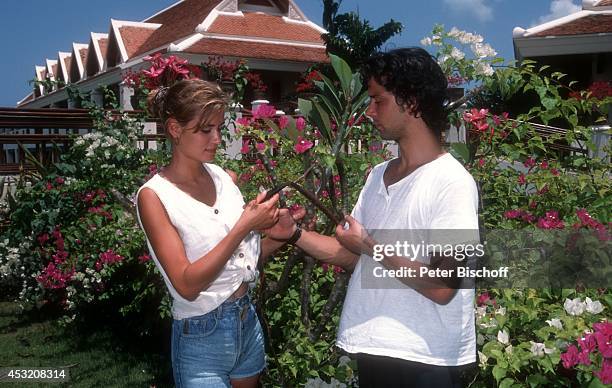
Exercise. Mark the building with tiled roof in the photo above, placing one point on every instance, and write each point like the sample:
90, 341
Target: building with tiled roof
274, 36
579, 44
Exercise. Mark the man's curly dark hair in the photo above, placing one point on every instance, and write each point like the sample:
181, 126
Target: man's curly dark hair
416, 80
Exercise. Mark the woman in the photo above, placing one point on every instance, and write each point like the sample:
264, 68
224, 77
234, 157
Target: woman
206, 244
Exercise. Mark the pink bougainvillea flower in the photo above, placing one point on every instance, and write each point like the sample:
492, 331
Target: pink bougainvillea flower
481, 162
530, 162
300, 123
605, 374
302, 145
245, 147
554, 171
484, 299
528, 217
264, 111
43, 238
513, 214
243, 121
260, 147
144, 258
544, 165
283, 122
570, 357
521, 179
550, 221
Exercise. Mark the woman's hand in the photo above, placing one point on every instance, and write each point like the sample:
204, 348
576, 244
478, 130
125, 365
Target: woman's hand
259, 215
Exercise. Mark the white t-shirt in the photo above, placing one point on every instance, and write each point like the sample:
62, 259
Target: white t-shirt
399, 322
201, 228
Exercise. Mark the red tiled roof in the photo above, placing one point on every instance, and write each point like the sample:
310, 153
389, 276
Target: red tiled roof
83, 53
134, 38
259, 50
67, 63
593, 24
604, 3
103, 42
177, 22
264, 26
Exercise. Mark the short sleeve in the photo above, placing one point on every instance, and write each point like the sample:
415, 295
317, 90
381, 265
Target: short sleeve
456, 206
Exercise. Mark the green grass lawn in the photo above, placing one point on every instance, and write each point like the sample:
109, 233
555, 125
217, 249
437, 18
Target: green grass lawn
95, 356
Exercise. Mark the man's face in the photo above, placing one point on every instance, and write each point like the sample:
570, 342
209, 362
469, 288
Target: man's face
387, 115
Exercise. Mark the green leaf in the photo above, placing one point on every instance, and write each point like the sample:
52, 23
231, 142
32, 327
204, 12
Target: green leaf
343, 71
499, 373
506, 383
305, 107
460, 151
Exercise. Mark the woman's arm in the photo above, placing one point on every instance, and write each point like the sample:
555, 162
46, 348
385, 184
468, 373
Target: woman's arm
187, 278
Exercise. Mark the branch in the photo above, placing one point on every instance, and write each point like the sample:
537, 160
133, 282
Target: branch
335, 297
309, 264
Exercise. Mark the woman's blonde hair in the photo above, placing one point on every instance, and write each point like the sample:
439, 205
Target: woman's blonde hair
187, 100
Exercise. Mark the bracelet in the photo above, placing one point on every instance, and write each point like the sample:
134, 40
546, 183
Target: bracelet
295, 237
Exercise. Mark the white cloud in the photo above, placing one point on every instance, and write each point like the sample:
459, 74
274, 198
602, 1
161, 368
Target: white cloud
478, 8
558, 9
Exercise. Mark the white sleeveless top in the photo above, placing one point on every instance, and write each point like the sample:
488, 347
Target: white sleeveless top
201, 228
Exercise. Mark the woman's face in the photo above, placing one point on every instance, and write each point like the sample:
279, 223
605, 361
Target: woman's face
201, 142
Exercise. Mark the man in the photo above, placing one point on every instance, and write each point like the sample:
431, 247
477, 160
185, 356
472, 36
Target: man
415, 336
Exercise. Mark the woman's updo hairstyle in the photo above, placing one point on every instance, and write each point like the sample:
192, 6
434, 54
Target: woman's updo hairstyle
187, 100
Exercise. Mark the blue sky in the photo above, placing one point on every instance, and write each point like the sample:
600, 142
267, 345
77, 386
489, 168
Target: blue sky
34, 30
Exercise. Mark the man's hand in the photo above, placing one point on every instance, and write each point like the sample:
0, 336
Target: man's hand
286, 225
354, 238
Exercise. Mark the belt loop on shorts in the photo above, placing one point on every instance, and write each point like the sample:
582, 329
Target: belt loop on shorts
186, 326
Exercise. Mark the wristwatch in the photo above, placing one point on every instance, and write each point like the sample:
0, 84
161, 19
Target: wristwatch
296, 236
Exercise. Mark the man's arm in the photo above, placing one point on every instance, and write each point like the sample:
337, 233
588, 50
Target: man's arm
439, 290
327, 249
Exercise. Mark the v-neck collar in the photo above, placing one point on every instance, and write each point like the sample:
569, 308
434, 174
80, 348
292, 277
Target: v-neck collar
216, 184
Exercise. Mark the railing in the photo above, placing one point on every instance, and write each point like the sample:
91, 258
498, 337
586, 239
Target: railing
46, 133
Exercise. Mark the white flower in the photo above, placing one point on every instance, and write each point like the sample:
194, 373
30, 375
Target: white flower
574, 306
501, 311
468, 38
509, 349
593, 307
481, 312
426, 41
455, 32
457, 54
482, 68
482, 358
503, 337
538, 349
436, 40
555, 322
483, 50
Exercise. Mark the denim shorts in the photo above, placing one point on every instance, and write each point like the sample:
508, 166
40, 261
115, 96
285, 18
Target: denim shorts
210, 349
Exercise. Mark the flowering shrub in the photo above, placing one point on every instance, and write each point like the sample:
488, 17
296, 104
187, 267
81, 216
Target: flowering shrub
528, 183
74, 242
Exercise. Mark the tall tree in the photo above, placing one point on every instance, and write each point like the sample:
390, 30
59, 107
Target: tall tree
352, 38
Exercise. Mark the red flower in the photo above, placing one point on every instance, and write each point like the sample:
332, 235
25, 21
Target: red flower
264, 111
530, 162
550, 221
300, 123
570, 357
544, 165
144, 258
283, 121
521, 179
302, 145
